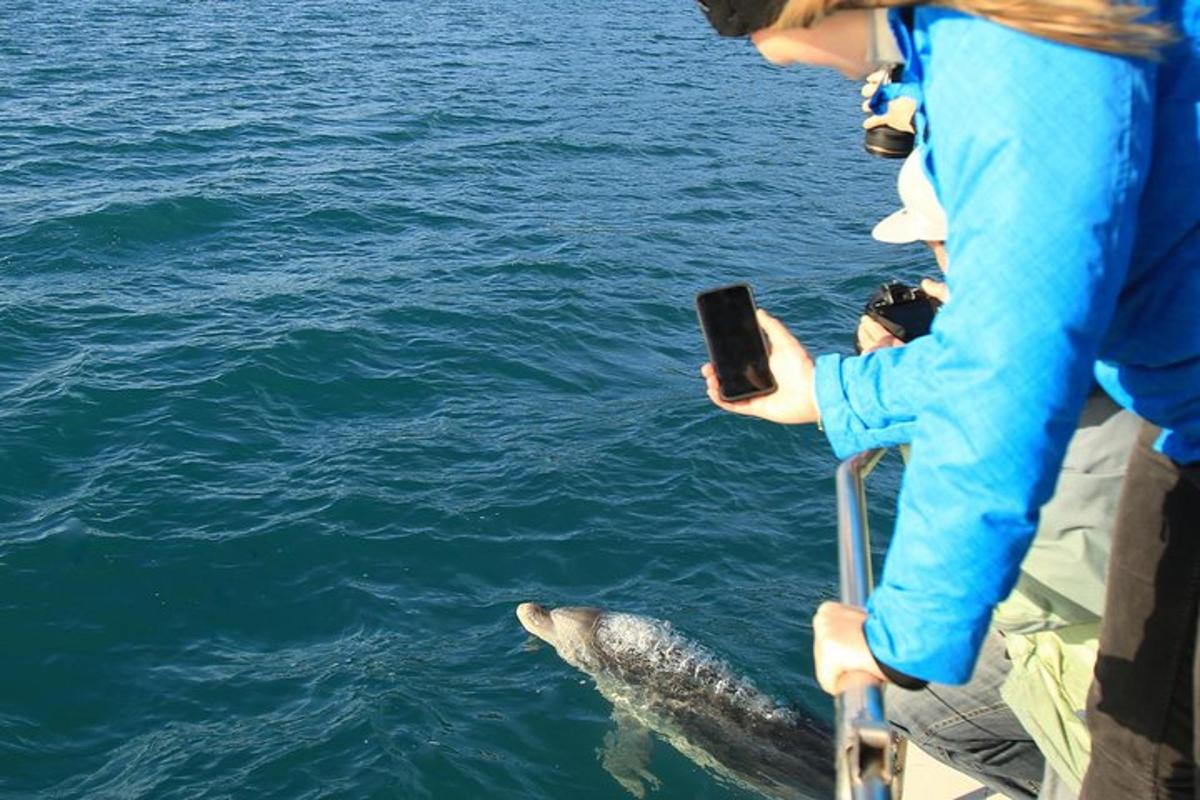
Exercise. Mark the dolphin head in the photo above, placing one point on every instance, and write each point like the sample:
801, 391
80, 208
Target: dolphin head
571, 630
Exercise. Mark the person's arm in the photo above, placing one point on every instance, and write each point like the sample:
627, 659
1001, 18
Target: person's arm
871, 400
1041, 178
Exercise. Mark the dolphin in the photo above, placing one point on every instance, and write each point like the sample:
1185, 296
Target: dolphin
659, 681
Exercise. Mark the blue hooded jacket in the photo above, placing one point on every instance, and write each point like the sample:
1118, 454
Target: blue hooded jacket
1071, 182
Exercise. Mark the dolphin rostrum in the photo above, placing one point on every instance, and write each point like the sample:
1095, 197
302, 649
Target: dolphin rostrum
659, 681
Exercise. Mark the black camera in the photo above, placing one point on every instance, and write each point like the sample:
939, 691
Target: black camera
885, 141
888, 142
906, 312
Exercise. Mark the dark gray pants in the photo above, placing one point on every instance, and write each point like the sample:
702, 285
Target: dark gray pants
1140, 706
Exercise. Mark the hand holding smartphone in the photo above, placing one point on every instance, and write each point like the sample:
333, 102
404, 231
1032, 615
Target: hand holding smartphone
736, 344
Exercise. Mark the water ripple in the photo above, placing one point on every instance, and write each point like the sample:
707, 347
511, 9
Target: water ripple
329, 333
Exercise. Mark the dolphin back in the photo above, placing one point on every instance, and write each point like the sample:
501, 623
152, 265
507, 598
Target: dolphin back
714, 716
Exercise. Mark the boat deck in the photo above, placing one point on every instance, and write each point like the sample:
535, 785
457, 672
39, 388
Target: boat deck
927, 779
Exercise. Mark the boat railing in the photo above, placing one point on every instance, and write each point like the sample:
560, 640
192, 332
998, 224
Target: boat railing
869, 756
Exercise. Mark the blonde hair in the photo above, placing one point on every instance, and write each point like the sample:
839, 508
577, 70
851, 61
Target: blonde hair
1108, 26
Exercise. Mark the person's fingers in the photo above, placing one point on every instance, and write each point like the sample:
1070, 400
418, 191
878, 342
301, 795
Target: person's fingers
821, 618
900, 113
852, 679
741, 407
712, 387
872, 82
872, 335
883, 344
823, 665
840, 647
936, 289
776, 331
870, 329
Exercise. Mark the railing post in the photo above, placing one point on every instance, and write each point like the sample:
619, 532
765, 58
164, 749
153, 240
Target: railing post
869, 756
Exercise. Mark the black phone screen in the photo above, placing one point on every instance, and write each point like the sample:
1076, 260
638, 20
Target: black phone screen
735, 342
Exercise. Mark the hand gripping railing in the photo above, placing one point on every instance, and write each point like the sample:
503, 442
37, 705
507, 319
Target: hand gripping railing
869, 758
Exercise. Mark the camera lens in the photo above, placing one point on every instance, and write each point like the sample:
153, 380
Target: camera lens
888, 142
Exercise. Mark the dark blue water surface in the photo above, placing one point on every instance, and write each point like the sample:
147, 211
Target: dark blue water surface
331, 331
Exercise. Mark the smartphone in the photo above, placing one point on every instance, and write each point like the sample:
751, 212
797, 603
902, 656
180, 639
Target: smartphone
736, 344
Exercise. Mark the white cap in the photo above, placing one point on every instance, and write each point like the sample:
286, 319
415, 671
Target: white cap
922, 218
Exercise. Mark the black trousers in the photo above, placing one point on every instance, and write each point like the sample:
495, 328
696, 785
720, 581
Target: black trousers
1140, 709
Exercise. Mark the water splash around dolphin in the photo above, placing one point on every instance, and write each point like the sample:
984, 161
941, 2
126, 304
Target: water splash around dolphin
659, 681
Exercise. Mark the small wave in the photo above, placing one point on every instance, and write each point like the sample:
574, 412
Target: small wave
162, 220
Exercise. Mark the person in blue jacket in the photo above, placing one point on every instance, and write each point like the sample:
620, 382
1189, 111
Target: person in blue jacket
1063, 139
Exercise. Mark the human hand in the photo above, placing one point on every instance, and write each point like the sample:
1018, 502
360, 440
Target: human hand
840, 650
873, 336
936, 289
871, 85
898, 115
794, 402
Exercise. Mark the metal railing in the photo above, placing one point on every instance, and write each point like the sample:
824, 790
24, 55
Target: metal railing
869, 757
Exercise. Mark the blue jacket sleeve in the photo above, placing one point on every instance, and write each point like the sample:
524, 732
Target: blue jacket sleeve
870, 401
1039, 152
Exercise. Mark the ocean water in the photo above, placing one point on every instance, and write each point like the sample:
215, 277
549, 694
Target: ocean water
331, 331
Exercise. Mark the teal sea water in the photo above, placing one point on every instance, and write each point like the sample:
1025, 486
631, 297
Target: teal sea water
331, 331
